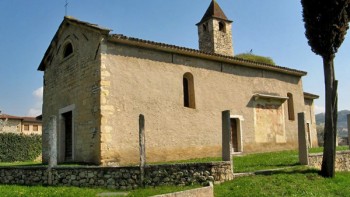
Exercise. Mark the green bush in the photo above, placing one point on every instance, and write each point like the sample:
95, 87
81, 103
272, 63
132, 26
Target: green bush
19, 147
256, 58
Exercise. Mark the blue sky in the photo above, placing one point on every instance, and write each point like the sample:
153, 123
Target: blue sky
270, 28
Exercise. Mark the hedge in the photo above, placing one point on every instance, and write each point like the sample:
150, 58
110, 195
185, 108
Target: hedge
256, 58
19, 147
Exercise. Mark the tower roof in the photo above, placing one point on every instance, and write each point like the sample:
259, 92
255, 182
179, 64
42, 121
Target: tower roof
214, 11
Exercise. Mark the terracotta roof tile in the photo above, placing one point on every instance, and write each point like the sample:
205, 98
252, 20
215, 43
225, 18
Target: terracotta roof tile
7, 116
27, 119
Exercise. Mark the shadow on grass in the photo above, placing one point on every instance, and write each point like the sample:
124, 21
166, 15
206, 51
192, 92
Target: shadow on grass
293, 170
288, 164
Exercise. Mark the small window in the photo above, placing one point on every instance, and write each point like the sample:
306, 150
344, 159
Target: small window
26, 127
205, 27
35, 128
188, 91
291, 115
222, 27
68, 49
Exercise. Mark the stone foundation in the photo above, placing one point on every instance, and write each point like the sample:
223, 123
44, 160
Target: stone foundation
118, 177
342, 161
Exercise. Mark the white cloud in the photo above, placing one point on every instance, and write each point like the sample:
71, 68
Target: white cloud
319, 109
33, 112
36, 109
38, 93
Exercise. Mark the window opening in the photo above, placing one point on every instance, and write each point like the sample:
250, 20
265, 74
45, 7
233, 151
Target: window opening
205, 27
68, 49
222, 27
26, 127
186, 96
291, 115
188, 91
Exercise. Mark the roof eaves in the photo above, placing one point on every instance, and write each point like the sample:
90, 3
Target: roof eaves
193, 52
308, 95
214, 11
69, 19
94, 26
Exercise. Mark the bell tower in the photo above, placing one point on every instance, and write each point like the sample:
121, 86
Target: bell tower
215, 31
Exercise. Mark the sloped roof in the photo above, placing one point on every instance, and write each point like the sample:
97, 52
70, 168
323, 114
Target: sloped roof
201, 54
167, 48
214, 11
68, 20
7, 116
26, 119
310, 96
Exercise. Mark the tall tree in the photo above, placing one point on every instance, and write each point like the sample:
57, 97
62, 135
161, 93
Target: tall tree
326, 23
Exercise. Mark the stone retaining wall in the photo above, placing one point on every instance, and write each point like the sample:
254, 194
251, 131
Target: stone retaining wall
118, 177
342, 160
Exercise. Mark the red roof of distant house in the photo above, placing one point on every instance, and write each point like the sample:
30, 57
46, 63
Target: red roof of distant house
26, 119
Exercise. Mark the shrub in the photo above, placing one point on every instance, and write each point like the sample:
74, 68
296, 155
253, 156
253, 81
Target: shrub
19, 147
256, 58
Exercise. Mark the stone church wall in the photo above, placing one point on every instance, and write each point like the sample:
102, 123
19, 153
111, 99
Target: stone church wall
73, 84
150, 82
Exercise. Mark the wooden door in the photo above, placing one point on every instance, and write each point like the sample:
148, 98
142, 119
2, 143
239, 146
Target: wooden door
68, 150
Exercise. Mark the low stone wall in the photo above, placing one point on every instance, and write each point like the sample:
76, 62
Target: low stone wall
342, 161
118, 177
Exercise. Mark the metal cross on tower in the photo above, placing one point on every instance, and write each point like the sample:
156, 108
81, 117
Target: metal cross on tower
66, 7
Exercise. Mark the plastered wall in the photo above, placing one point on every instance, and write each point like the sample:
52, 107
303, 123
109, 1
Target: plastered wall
139, 81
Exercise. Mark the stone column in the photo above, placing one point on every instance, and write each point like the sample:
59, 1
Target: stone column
226, 136
349, 129
302, 140
53, 142
142, 142
52, 130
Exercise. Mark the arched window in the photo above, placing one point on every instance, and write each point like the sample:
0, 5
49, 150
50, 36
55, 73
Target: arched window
291, 115
205, 27
188, 91
68, 49
222, 27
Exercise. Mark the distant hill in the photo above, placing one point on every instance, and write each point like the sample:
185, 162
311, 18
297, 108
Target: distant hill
342, 125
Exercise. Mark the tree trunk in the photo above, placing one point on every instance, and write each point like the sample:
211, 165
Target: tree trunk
330, 128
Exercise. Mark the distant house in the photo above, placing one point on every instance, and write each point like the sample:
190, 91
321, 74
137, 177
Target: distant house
20, 125
96, 84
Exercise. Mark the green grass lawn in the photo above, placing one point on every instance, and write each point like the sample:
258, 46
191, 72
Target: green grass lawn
296, 181
264, 161
38, 191
21, 163
320, 149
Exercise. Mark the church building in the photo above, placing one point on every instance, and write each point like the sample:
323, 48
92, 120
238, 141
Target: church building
97, 84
